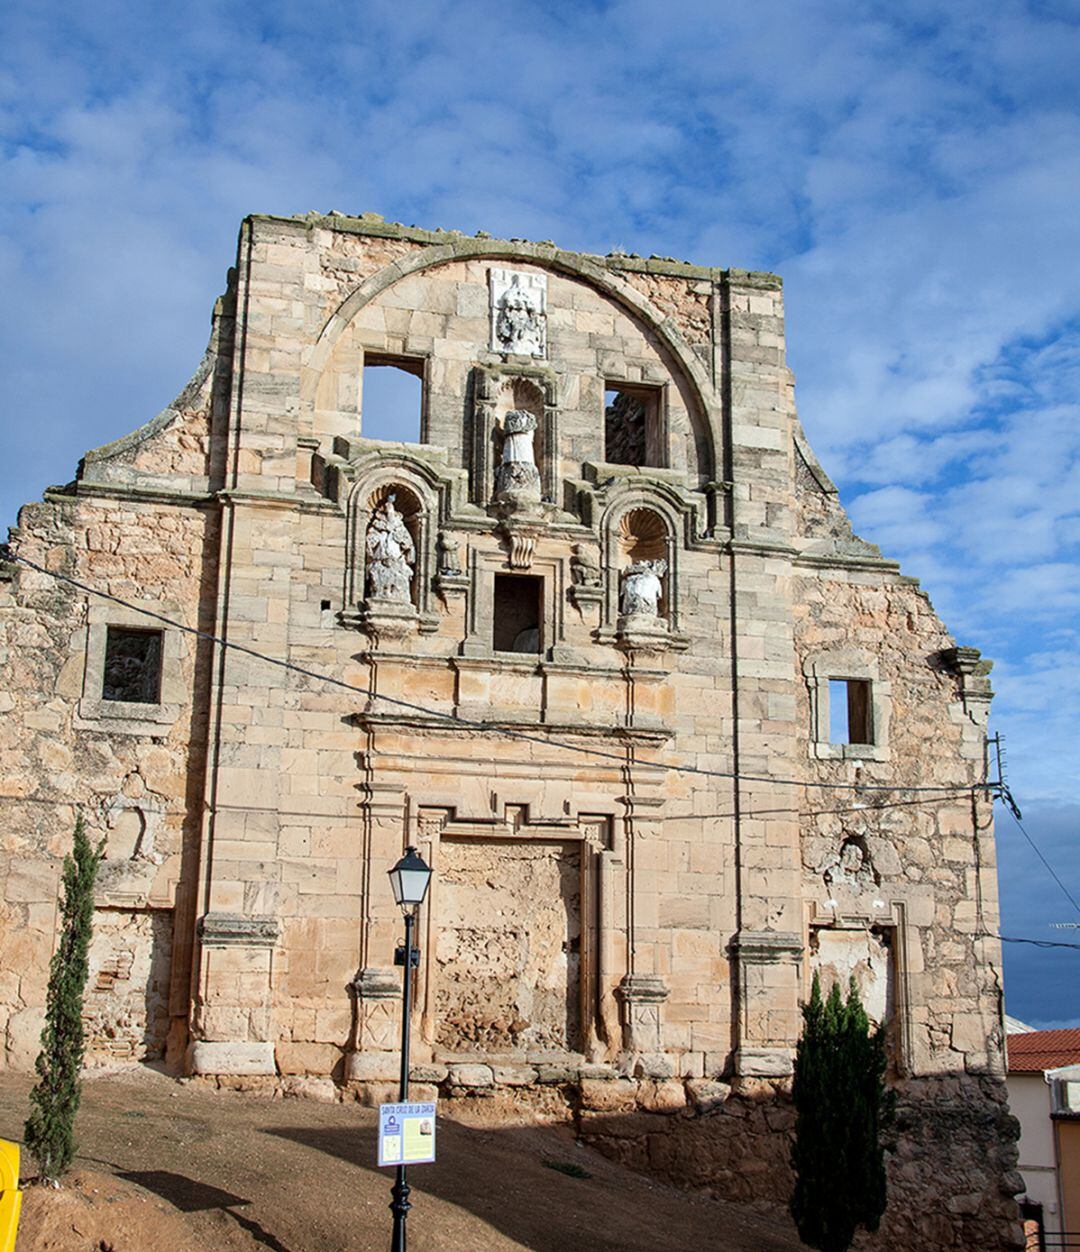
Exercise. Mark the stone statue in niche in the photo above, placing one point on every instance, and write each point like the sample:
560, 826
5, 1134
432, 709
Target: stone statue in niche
517, 475
449, 554
584, 567
391, 555
642, 588
518, 312
851, 867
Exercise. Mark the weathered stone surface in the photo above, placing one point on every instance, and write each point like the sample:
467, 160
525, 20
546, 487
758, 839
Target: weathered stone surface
471, 1076
585, 911
231, 1058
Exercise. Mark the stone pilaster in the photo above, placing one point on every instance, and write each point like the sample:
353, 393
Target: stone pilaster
231, 1022
767, 964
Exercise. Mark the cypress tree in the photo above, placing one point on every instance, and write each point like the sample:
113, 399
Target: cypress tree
50, 1128
841, 1105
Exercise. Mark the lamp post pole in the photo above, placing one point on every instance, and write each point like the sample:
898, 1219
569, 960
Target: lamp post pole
409, 881
400, 1205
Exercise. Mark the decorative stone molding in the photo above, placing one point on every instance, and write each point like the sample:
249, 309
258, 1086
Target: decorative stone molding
235, 930
767, 947
375, 983
480, 602
974, 675
122, 717
839, 663
641, 998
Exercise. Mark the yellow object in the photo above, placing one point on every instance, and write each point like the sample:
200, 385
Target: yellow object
10, 1195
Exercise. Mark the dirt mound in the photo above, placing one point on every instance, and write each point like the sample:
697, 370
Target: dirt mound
96, 1212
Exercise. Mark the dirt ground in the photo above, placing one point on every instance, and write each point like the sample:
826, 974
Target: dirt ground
179, 1167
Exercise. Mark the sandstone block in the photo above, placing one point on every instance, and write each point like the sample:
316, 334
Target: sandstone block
707, 1094
321, 1090
662, 1096
607, 1096
206, 1057
471, 1076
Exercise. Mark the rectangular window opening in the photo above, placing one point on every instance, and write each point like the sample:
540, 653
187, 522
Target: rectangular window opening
392, 399
518, 611
632, 425
132, 670
850, 711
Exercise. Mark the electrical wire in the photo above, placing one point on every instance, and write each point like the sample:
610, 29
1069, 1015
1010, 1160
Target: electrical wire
456, 722
1035, 943
940, 793
1035, 848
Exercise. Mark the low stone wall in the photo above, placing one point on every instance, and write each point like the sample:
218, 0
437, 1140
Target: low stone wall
951, 1160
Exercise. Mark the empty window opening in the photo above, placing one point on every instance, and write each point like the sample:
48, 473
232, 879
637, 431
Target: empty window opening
518, 608
631, 435
392, 401
850, 718
132, 670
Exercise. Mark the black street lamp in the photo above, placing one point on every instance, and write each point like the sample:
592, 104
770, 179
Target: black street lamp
409, 879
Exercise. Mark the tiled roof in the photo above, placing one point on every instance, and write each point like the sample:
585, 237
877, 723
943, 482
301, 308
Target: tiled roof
1036, 1050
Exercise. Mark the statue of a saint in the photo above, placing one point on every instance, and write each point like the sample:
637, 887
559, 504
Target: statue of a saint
642, 588
390, 555
517, 474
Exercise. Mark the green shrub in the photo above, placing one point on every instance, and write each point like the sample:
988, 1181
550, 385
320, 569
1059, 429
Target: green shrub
841, 1105
50, 1128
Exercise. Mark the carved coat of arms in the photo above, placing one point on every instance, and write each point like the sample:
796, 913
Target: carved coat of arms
518, 312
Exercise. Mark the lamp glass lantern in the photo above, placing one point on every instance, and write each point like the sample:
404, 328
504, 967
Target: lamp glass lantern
409, 880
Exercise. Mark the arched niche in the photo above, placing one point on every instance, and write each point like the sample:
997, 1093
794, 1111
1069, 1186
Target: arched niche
414, 501
498, 390
641, 525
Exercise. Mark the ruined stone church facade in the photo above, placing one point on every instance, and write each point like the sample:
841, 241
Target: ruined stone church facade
598, 640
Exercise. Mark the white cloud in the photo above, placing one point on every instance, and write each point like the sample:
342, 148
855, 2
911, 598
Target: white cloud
913, 172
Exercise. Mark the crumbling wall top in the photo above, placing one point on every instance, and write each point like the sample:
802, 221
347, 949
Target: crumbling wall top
373, 224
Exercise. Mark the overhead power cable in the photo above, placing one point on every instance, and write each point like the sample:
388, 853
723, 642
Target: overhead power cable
933, 794
453, 721
1014, 813
1035, 943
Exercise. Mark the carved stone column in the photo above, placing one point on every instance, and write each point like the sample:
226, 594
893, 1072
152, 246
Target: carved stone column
231, 1021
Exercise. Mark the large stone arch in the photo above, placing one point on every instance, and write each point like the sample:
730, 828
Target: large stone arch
636, 305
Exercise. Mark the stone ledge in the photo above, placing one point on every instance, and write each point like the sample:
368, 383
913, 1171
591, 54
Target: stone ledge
228, 930
209, 1058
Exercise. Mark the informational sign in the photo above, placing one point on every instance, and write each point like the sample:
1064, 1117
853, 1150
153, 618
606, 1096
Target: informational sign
406, 1134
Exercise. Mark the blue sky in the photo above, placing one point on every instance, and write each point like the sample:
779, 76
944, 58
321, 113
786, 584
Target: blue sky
912, 170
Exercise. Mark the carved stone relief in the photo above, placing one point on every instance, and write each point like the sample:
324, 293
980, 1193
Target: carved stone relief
518, 312
584, 568
850, 867
449, 554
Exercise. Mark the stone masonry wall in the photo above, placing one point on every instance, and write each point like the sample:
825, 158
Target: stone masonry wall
644, 838
63, 751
